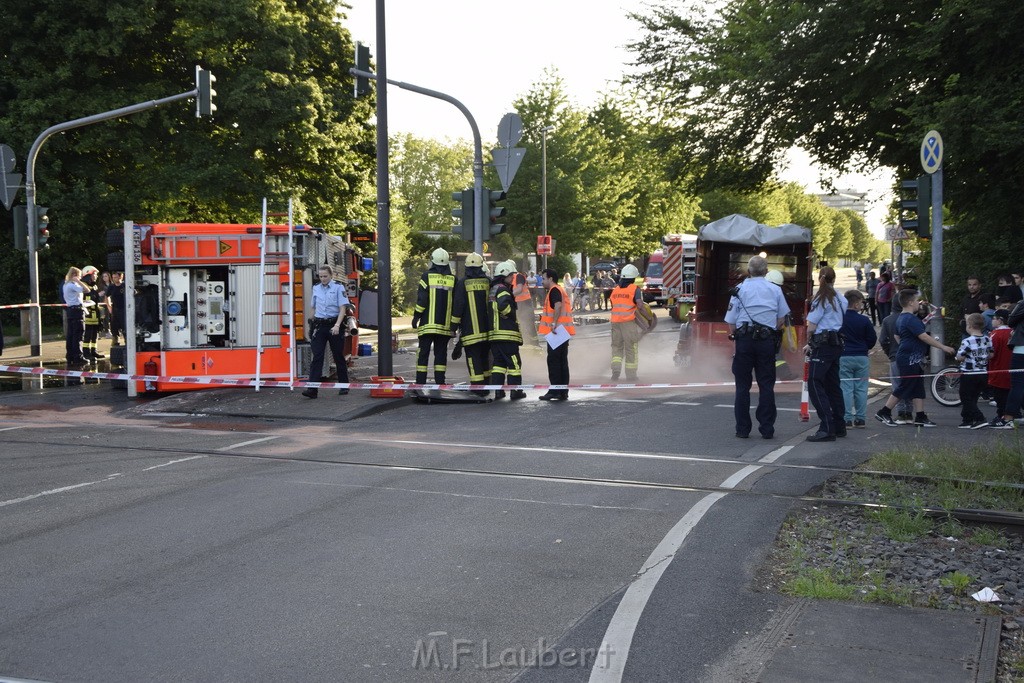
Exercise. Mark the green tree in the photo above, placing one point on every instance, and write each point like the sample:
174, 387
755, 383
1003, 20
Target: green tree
856, 84
286, 125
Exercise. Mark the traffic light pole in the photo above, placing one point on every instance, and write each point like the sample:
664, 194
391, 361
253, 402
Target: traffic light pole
35, 320
482, 213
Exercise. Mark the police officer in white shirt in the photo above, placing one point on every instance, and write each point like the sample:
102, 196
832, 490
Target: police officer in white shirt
756, 312
330, 306
825, 345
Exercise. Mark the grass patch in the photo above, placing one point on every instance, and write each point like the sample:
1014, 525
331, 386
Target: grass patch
822, 585
903, 525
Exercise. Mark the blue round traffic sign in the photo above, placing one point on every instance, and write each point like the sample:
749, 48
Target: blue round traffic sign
931, 152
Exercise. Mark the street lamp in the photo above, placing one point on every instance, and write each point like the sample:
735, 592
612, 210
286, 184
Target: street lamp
544, 185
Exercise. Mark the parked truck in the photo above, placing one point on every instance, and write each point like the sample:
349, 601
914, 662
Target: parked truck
224, 300
723, 248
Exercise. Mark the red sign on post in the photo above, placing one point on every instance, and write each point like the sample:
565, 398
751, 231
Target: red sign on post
544, 245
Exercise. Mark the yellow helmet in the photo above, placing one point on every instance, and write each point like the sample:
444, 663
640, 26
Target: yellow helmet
474, 260
439, 257
629, 272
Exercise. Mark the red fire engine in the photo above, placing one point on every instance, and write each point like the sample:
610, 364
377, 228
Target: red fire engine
225, 300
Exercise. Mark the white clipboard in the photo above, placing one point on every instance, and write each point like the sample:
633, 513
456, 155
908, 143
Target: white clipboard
557, 337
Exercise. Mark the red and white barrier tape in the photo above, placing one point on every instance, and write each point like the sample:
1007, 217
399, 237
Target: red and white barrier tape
248, 382
32, 306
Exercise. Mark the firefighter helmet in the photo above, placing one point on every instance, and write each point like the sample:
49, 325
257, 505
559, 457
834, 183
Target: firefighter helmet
629, 272
774, 276
90, 270
504, 269
439, 257
474, 260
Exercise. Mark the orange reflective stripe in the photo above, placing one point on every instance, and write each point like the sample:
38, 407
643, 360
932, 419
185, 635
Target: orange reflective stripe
623, 304
547, 316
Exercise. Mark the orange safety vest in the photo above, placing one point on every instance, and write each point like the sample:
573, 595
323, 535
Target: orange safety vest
547, 316
520, 279
623, 304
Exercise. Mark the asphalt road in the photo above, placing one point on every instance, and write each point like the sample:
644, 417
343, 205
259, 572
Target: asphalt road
613, 537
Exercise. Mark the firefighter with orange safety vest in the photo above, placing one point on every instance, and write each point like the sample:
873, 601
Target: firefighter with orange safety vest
504, 335
557, 313
627, 301
471, 314
432, 318
524, 308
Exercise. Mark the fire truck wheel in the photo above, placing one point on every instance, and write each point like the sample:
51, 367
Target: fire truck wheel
115, 238
115, 261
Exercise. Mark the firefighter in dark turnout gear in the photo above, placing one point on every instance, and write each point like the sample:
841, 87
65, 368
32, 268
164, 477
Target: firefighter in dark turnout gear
432, 319
92, 314
471, 315
504, 335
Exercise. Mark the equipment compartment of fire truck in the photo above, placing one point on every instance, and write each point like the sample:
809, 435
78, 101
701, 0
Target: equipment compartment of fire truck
226, 300
723, 249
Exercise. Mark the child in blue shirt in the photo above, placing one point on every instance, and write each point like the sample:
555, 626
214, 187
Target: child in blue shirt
913, 350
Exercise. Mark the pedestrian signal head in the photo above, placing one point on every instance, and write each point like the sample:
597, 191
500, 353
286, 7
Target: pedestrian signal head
774, 277
629, 272
474, 260
504, 269
439, 257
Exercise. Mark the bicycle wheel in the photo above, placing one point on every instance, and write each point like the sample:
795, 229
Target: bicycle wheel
946, 387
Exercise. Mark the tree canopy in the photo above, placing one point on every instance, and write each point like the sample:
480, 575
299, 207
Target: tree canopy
286, 124
855, 84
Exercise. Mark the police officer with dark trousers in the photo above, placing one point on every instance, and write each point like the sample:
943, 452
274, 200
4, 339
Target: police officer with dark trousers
505, 337
756, 312
432, 318
825, 346
327, 326
471, 314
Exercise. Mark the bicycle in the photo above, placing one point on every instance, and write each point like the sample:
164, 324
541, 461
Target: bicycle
945, 386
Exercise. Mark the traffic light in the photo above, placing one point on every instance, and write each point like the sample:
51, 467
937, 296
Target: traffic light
917, 200
42, 227
204, 85
494, 212
20, 227
362, 85
466, 213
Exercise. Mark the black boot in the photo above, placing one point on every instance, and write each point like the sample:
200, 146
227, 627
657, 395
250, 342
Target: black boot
517, 394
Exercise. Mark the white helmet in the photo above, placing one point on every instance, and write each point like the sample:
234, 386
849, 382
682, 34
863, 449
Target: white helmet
629, 272
439, 257
90, 270
775, 277
504, 269
474, 260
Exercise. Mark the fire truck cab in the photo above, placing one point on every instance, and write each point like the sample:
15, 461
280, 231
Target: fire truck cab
225, 300
723, 248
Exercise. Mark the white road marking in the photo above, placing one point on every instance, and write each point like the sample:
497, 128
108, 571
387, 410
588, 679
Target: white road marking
172, 462
62, 489
74, 487
629, 400
618, 637
247, 443
681, 403
7, 429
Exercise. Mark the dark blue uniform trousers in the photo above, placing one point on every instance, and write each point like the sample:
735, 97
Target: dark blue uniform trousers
825, 390
754, 359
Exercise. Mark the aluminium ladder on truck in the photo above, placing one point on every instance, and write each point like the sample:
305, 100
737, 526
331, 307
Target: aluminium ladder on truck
285, 290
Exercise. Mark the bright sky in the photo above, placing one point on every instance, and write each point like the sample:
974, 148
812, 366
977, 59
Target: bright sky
486, 54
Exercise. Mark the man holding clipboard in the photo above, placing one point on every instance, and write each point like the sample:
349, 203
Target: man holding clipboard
556, 325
